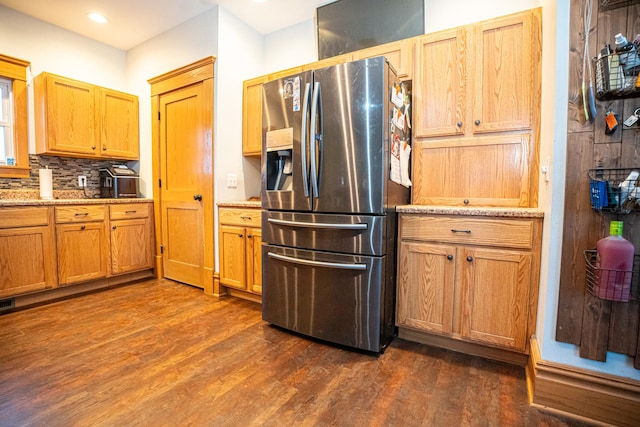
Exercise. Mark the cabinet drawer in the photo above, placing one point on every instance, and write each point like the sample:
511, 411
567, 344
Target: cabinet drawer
508, 233
129, 211
242, 217
23, 217
80, 213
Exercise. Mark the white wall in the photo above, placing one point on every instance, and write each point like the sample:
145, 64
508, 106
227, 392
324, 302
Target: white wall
55, 50
290, 47
186, 43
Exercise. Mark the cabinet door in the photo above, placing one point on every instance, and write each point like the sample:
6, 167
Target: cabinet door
82, 252
254, 260
232, 256
439, 89
118, 124
495, 291
27, 260
502, 82
69, 117
399, 54
252, 117
425, 287
131, 246
473, 171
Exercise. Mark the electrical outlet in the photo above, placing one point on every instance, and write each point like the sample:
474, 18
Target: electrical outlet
82, 181
232, 180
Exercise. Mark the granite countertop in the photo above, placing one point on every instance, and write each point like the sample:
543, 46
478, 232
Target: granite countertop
57, 202
240, 204
30, 197
472, 211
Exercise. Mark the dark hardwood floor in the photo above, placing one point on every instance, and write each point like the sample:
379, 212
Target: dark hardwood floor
159, 353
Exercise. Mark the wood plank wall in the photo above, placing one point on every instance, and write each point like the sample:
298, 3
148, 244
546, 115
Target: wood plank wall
596, 325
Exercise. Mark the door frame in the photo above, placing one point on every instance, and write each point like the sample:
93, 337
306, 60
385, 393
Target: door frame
199, 71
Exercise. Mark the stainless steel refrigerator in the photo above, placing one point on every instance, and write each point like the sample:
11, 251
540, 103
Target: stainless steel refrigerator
329, 206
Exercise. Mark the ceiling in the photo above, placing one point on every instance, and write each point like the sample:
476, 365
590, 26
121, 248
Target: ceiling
132, 22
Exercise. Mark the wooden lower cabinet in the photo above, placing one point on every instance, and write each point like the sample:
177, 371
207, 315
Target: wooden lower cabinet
27, 250
83, 243
240, 240
469, 278
131, 237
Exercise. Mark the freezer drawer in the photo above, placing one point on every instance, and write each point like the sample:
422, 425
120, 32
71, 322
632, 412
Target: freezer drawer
351, 234
333, 297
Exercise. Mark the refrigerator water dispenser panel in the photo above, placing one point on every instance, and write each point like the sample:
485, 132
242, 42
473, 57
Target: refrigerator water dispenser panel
279, 144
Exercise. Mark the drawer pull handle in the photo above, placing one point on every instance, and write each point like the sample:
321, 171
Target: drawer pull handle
460, 231
130, 212
83, 227
469, 258
449, 257
466, 201
82, 214
245, 217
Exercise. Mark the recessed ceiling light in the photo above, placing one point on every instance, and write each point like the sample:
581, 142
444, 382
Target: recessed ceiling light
96, 17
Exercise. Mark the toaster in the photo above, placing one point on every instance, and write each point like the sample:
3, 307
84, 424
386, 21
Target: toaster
118, 182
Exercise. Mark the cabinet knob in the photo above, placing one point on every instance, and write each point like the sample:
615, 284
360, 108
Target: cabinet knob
449, 257
240, 235
82, 227
249, 236
465, 201
477, 122
93, 147
459, 124
197, 197
469, 258
113, 228
104, 148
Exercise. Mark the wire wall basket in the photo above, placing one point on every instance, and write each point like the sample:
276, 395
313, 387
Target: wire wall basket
615, 190
617, 75
611, 285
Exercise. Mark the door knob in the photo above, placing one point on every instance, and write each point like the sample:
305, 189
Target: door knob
197, 197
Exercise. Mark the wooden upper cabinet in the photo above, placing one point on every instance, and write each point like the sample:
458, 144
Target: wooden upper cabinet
479, 78
399, 54
76, 119
501, 73
118, 124
439, 91
252, 116
65, 116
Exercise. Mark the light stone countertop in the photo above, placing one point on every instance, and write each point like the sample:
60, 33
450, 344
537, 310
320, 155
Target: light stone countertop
472, 211
240, 204
59, 202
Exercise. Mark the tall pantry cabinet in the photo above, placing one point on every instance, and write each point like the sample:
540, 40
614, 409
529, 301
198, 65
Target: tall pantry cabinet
469, 245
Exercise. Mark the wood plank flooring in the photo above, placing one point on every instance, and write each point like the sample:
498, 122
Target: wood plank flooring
159, 353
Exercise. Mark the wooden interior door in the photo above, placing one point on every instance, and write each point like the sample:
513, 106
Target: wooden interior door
182, 100
182, 174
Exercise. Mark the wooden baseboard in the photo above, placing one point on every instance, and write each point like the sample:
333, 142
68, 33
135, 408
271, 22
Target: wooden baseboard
50, 295
244, 295
464, 346
582, 394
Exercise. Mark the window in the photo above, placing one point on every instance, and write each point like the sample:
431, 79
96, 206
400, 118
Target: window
14, 156
6, 123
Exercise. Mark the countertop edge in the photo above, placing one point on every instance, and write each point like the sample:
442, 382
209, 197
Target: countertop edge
472, 211
58, 202
240, 204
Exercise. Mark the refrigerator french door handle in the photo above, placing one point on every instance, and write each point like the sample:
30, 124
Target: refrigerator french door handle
333, 226
304, 140
316, 121
340, 265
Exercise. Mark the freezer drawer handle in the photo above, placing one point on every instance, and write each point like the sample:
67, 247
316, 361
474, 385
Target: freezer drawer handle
359, 226
318, 263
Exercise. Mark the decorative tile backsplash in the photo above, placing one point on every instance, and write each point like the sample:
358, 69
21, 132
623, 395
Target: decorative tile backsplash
65, 173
